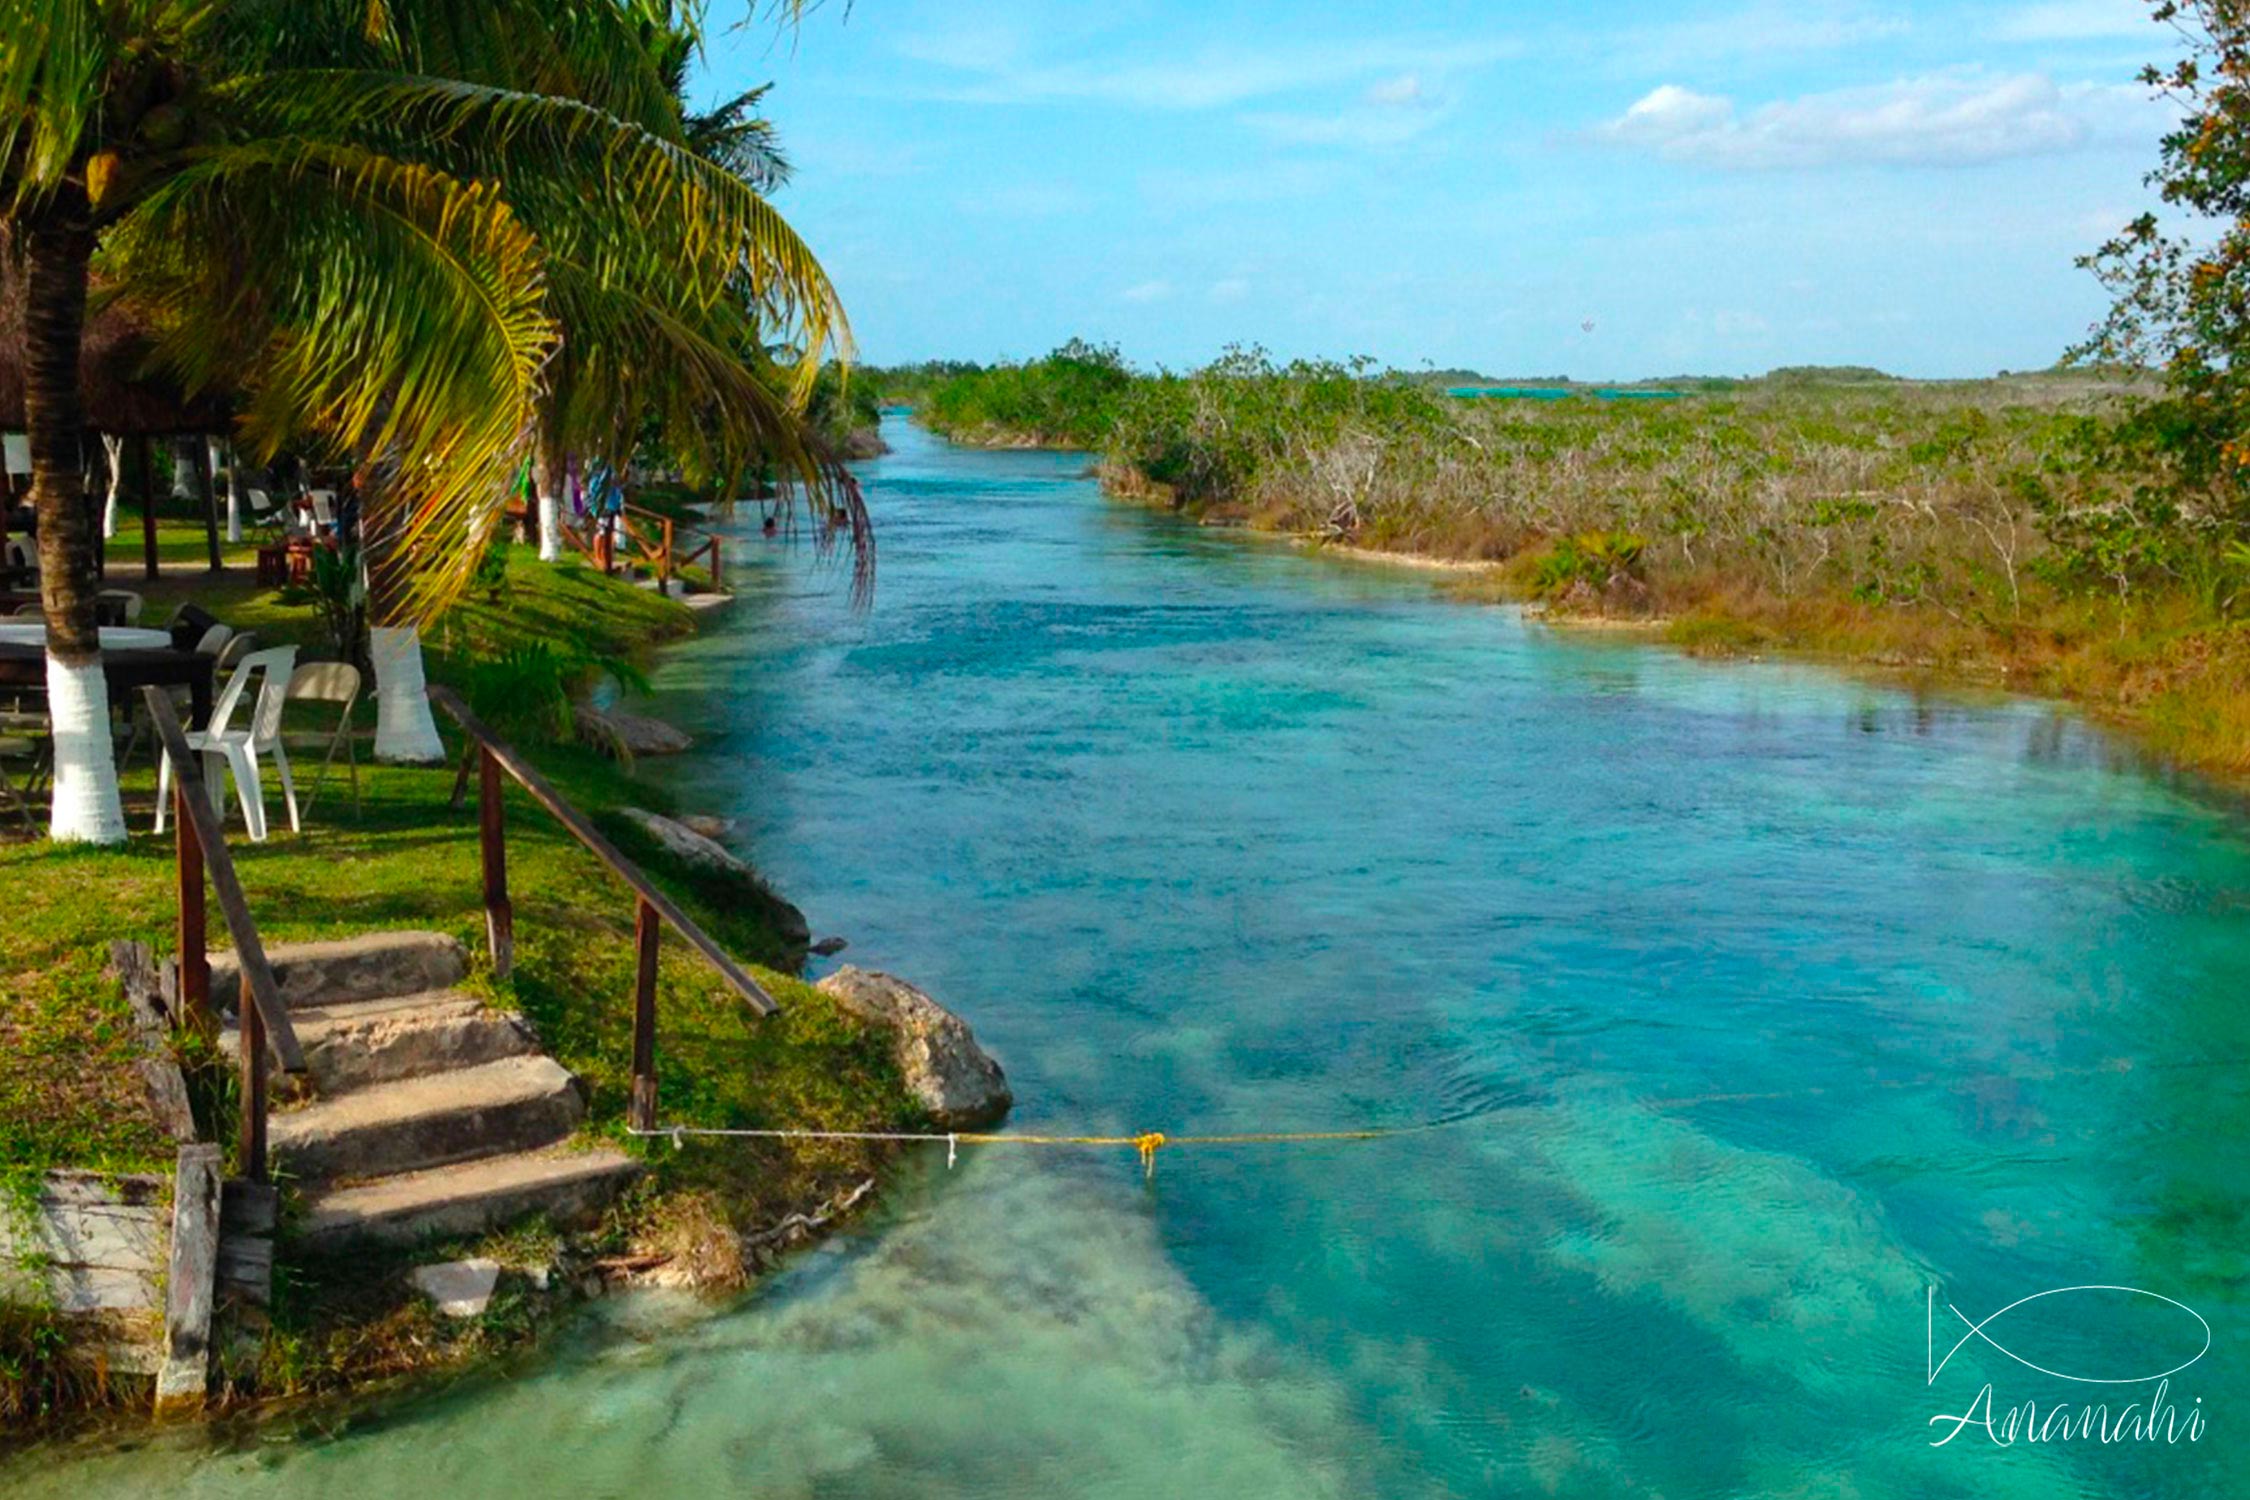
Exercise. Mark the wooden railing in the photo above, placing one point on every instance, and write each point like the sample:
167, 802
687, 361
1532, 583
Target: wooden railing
492, 757
653, 538
202, 849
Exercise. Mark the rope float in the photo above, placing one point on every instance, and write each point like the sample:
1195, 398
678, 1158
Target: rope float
1145, 1145
1148, 1143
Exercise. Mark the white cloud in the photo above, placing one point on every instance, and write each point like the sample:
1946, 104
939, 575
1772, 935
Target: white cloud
2076, 21
1954, 119
1391, 112
1003, 69
1232, 289
1402, 92
1770, 28
1147, 291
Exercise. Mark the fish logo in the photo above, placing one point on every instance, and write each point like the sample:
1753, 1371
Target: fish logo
2191, 1327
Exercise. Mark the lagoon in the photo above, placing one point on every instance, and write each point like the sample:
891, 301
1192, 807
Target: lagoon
1761, 1015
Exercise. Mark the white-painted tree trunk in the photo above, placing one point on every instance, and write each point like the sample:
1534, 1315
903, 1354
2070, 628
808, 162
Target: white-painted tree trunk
86, 808
550, 527
405, 732
234, 488
183, 472
115, 448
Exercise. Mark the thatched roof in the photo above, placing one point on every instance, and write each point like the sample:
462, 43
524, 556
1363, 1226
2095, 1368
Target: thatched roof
122, 393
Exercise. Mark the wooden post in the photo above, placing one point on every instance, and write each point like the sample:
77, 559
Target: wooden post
718, 575
210, 501
499, 912
148, 505
253, 1031
664, 564
646, 929
195, 962
190, 1281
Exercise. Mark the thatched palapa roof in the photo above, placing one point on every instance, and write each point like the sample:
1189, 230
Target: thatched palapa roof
123, 394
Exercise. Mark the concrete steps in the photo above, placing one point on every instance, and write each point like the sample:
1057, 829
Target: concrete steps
366, 1042
373, 966
433, 1115
516, 1104
470, 1198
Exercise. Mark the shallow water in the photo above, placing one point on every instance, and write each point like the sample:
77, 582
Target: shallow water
1754, 1002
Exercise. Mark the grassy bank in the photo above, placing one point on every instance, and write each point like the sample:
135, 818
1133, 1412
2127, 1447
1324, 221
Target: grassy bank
69, 1096
1996, 530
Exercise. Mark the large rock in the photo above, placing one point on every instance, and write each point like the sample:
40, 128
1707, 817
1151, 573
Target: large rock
460, 1288
700, 853
635, 734
957, 1084
684, 843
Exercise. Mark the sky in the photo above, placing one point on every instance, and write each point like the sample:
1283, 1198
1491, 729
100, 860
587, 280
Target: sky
1606, 191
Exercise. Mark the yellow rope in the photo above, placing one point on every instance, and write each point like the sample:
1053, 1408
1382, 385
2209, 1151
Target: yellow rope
1145, 1144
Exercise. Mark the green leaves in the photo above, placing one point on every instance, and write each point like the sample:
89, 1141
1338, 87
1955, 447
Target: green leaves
406, 231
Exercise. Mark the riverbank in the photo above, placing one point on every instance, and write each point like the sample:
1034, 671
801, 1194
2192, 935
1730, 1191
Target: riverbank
1987, 532
708, 1216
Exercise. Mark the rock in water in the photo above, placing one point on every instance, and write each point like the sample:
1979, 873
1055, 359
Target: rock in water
683, 842
829, 947
707, 825
460, 1288
635, 734
957, 1084
697, 852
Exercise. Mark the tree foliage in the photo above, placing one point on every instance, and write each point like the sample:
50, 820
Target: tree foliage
2181, 283
400, 226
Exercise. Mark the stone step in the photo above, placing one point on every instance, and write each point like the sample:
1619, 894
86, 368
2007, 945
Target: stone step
516, 1104
569, 1186
372, 966
365, 1042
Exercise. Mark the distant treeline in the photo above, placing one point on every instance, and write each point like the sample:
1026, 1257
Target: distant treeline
2045, 530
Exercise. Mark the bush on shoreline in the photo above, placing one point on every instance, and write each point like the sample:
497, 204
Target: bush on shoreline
2053, 532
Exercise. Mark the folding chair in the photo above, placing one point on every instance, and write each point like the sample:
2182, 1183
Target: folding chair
329, 682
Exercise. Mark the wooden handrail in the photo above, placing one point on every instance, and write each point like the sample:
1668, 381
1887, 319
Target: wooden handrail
202, 848
494, 756
670, 549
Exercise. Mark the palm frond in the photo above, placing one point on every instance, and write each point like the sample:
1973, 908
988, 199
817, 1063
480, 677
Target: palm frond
390, 310
711, 228
52, 61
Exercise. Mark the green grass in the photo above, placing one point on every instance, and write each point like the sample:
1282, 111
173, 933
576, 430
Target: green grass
69, 1096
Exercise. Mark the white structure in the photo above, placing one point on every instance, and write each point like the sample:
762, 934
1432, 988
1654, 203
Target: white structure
405, 732
86, 808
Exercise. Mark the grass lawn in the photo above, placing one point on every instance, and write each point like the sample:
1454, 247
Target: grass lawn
69, 1096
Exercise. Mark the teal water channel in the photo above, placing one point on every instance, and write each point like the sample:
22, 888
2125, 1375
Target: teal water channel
1766, 1014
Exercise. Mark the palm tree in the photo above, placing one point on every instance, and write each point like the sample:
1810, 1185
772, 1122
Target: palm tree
374, 218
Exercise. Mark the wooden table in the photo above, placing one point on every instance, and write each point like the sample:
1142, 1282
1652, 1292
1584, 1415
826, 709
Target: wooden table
25, 666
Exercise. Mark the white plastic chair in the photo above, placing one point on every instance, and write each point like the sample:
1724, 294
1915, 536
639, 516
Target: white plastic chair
237, 650
323, 510
214, 640
236, 751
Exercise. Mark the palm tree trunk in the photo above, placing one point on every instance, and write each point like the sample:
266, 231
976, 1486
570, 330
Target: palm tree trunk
547, 476
405, 731
114, 447
203, 467
60, 244
234, 486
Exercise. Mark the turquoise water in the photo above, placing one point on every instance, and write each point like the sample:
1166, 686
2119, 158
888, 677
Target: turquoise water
1756, 1001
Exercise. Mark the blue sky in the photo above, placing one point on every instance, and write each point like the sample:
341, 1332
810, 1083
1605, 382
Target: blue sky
1714, 185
